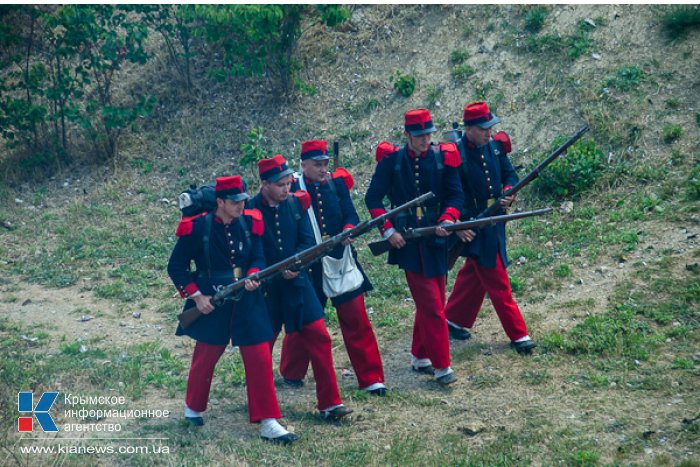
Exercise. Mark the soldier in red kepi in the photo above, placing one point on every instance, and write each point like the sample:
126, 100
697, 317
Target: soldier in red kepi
226, 246
333, 212
402, 174
291, 300
485, 172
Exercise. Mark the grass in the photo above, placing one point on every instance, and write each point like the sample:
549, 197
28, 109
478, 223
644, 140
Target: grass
679, 20
462, 71
625, 78
671, 133
534, 18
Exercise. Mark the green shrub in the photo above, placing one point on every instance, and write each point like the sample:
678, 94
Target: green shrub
534, 18
462, 72
625, 78
572, 173
678, 20
672, 133
693, 185
459, 55
405, 84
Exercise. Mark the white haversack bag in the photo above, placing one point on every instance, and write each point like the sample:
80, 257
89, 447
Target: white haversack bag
341, 275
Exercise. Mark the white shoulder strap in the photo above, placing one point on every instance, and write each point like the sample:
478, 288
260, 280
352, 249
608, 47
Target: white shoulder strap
310, 212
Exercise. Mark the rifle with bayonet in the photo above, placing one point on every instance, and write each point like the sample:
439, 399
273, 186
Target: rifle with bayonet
299, 260
382, 246
456, 249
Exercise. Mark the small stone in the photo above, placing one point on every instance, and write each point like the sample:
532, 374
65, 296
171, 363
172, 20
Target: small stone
136, 314
346, 373
596, 56
27, 302
566, 207
589, 22
214, 402
165, 201
549, 245
472, 429
83, 348
522, 260
84, 318
18, 201
122, 323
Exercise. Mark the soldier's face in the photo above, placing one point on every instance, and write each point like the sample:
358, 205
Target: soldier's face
229, 210
276, 192
478, 135
418, 144
314, 170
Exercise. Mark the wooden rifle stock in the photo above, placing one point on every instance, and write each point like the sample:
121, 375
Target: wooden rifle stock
382, 246
301, 259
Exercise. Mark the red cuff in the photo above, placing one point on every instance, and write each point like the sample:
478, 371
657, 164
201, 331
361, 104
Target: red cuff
252, 271
348, 226
450, 214
376, 212
188, 290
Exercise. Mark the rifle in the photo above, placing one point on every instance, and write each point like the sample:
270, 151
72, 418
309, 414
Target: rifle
299, 260
455, 251
336, 154
382, 246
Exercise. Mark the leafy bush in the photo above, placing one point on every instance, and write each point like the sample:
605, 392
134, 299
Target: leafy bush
253, 150
678, 20
572, 173
534, 18
625, 78
405, 84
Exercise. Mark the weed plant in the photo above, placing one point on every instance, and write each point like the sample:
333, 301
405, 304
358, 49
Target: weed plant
405, 84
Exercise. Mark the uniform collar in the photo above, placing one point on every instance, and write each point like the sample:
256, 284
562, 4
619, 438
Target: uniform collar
310, 183
413, 154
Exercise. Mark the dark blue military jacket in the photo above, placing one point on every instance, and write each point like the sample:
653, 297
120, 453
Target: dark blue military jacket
334, 212
486, 171
243, 322
287, 232
427, 256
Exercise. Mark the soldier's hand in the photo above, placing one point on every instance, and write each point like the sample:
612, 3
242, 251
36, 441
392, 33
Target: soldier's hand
348, 240
251, 285
507, 201
466, 235
287, 274
396, 240
440, 232
203, 303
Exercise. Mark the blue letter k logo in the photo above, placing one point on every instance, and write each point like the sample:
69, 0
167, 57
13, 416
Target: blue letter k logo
41, 411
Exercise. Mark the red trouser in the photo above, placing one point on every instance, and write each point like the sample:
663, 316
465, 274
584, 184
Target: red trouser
359, 341
430, 337
260, 386
472, 284
316, 343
